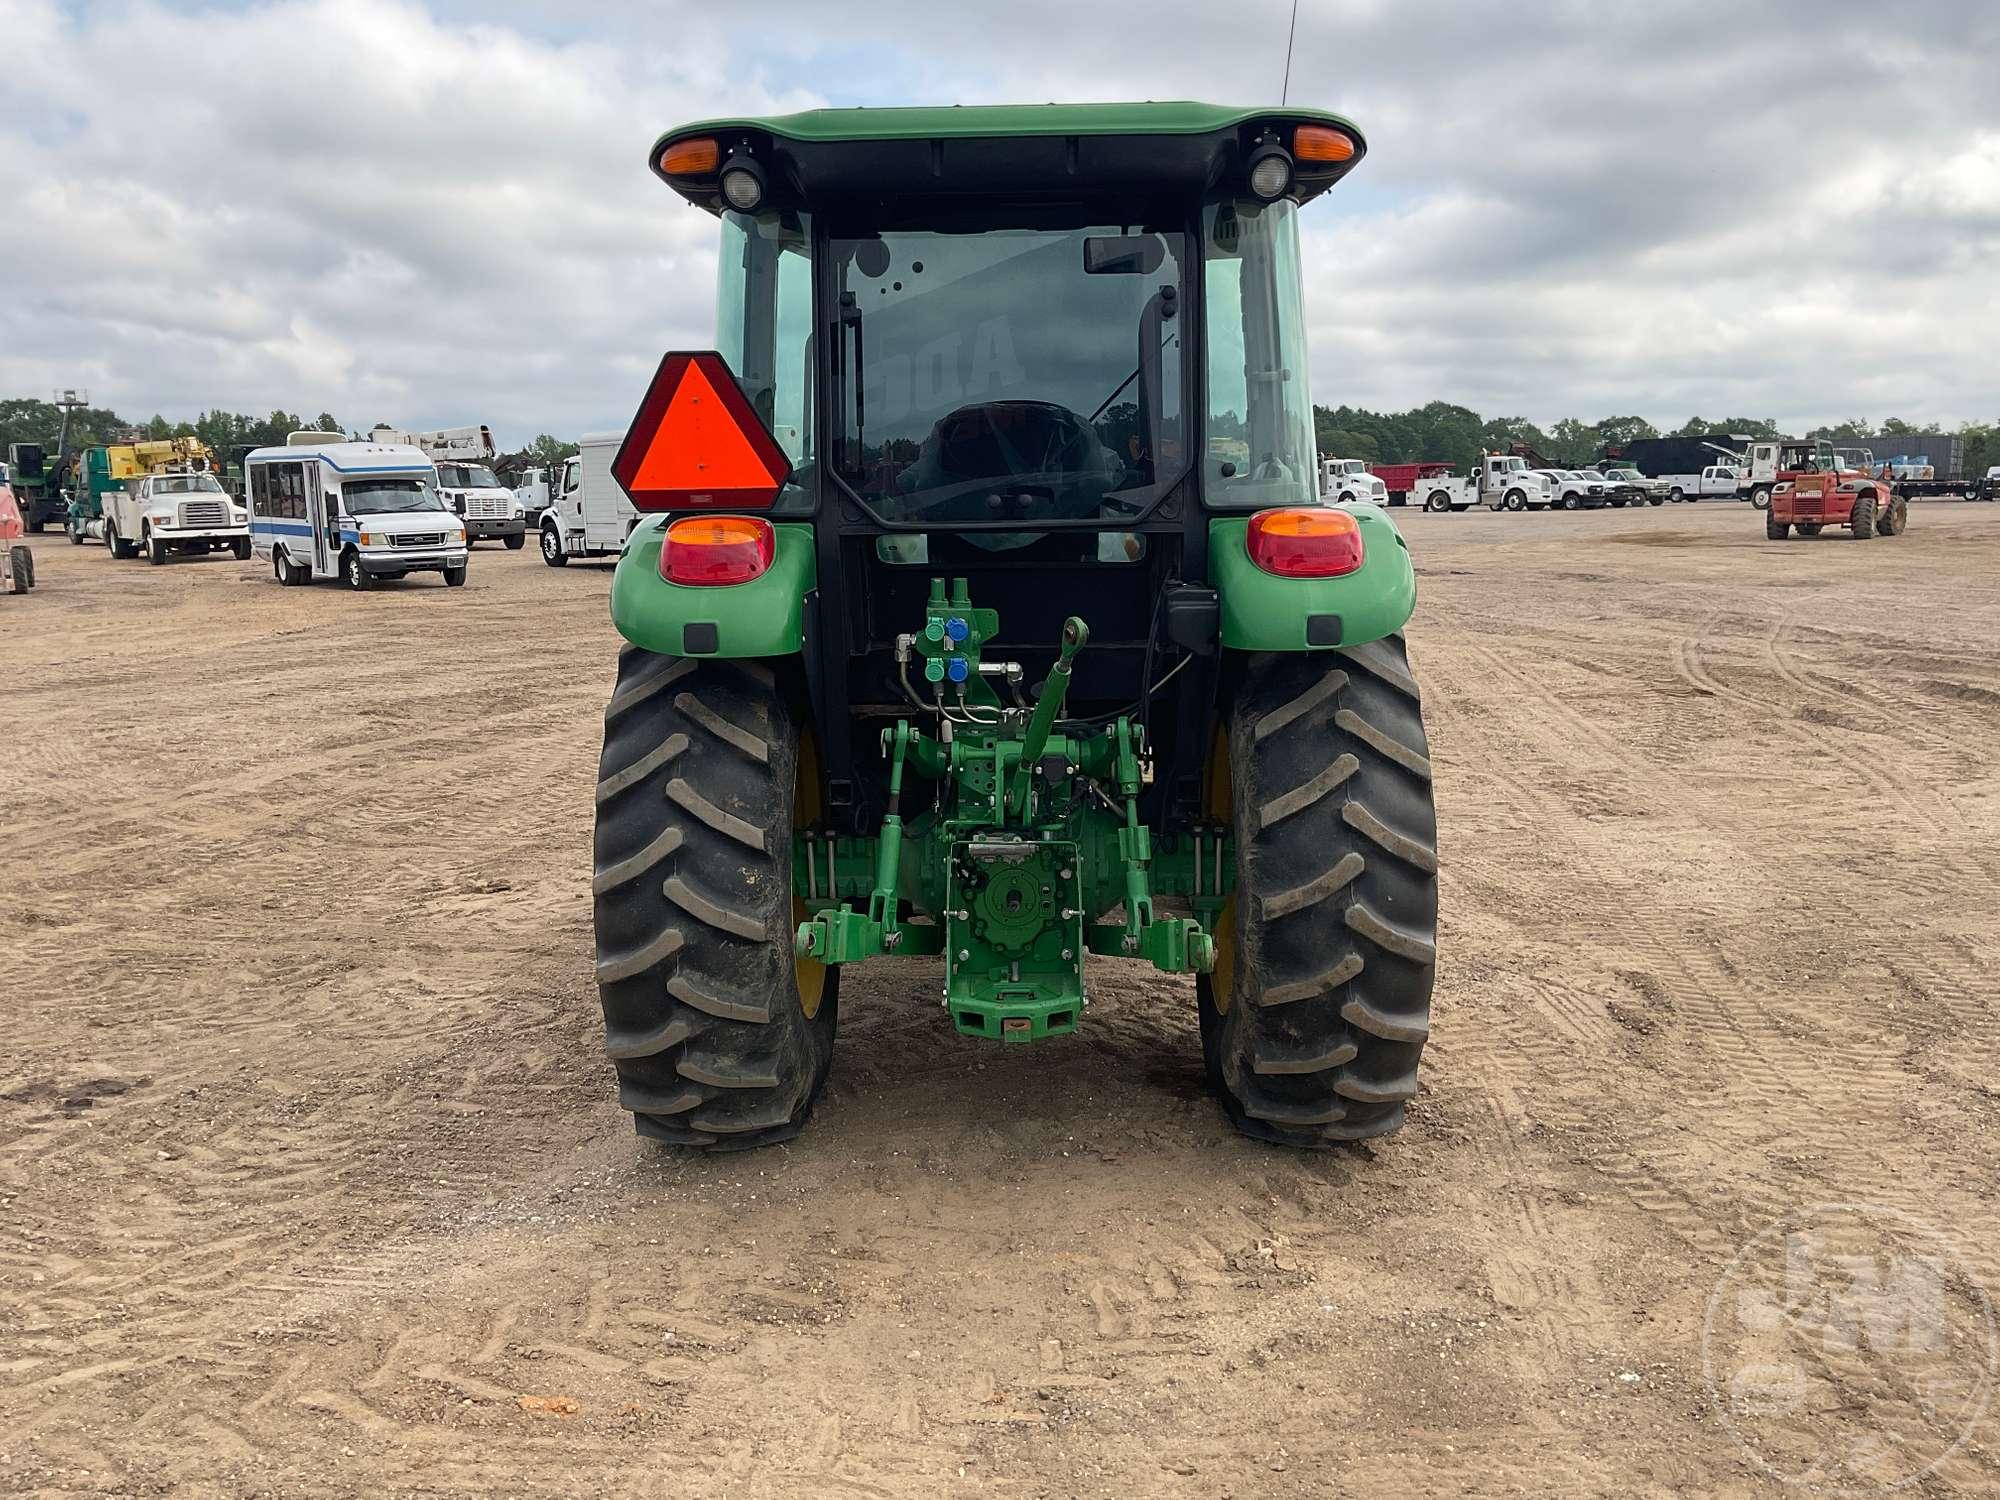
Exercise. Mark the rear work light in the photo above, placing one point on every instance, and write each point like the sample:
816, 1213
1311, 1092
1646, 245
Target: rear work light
696, 157
708, 551
1305, 543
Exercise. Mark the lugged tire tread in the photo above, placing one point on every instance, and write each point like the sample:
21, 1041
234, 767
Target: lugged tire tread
640, 769
632, 694
664, 946
692, 889
676, 1030
1270, 1063
1312, 892
1319, 984
1305, 795
1386, 660
753, 745
1387, 744
1383, 837
1387, 935
1335, 947
719, 1075
685, 797
713, 913
646, 859
1315, 694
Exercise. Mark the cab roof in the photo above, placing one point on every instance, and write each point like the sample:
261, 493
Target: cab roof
1175, 147
348, 457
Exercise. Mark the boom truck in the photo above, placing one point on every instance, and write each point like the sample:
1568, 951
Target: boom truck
135, 494
1405, 482
1501, 481
466, 481
985, 666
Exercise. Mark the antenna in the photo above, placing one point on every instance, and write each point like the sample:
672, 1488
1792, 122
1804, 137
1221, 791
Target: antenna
1291, 33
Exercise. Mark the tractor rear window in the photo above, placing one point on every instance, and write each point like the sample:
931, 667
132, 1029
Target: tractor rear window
1260, 446
1011, 374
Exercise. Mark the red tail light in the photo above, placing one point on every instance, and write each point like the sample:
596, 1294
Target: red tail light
707, 551
1305, 543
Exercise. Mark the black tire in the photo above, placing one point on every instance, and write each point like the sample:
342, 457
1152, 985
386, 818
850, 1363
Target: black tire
241, 547
1317, 1013
454, 578
1777, 530
1895, 520
1760, 497
76, 537
120, 548
34, 525
1570, 502
1515, 500
1862, 521
517, 541
21, 566
706, 1011
354, 575
156, 551
552, 548
1658, 499
1676, 494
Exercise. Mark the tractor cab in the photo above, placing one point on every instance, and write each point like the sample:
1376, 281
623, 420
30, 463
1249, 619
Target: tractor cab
987, 553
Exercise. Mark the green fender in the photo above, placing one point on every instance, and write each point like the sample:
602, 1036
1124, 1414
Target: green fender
760, 618
1262, 612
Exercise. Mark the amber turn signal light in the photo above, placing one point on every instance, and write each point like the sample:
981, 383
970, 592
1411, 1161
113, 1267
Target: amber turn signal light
1322, 145
695, 157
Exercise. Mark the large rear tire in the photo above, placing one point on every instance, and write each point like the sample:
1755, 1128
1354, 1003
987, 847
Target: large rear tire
1317, 1012
1862, 518
721, 1038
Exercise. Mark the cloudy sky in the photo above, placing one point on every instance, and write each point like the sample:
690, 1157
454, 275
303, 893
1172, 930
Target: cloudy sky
431, 212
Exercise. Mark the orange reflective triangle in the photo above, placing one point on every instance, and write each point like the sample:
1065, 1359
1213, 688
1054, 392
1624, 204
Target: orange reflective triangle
699, 444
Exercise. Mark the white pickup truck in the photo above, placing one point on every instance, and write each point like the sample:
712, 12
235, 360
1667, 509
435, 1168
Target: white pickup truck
1717, 481
1654, 490
1502, 482
1345, 479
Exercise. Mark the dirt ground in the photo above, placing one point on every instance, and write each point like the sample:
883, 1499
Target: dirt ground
312, 1180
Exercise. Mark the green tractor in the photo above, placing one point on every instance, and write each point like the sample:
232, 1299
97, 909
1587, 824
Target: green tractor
985, 613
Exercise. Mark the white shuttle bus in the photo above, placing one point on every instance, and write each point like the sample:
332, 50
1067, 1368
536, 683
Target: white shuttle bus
352, 511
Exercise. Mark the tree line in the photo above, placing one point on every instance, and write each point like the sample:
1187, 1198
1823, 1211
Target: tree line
26, 420
1455, 435
1436, 430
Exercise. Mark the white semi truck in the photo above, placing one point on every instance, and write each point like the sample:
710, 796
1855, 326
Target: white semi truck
588, 514
1503, 481
1344, 479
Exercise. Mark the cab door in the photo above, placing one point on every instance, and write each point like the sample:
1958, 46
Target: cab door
324, 502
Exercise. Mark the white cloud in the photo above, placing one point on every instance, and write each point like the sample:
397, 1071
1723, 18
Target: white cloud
442, 214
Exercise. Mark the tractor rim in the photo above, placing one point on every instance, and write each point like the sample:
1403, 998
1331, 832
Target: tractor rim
1222, 979
1219, 802
808, 974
